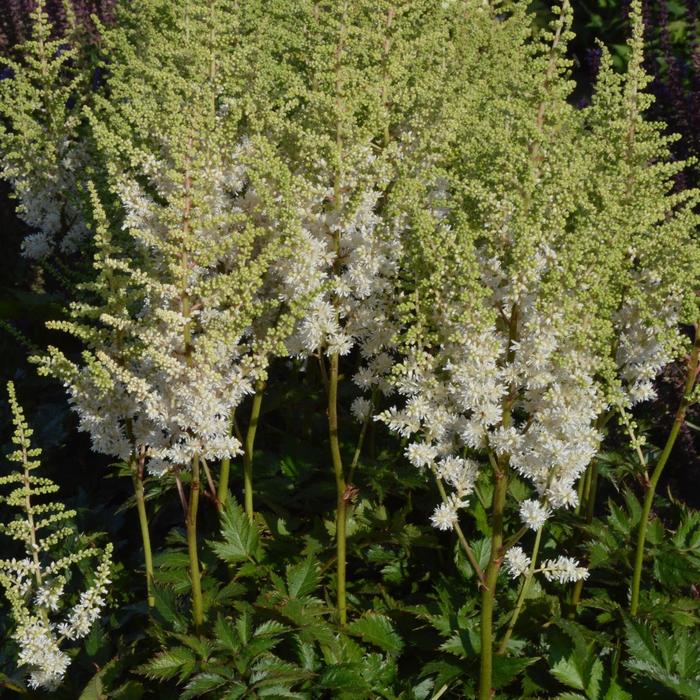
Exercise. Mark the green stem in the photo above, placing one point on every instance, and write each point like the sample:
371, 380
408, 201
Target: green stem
225, 470
222, 489
361, 439
523, 594
248, 449
340, 486
462, 538
29, 509
137, 476
195, 577
588, 503
584, 488
658, 469
488, 592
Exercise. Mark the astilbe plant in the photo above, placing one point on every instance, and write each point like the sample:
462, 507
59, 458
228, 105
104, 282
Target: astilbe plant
403, 184
359, 111
190, 216
37, 583
546, 283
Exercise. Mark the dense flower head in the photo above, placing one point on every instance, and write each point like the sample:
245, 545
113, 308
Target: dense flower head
39, 651
516, 562
192, 234
526, 316
563, 570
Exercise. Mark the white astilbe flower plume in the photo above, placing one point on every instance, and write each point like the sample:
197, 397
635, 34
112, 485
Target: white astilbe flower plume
194, 284
563, 570
523, 321
353, 260
41, 154
516, 562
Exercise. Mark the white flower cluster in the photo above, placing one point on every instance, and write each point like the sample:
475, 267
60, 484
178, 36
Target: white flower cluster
516, 562
354, 259
641, 353
47, 203
34, 604
86, 611
39, 651
446, 515
455, 401
189, 355
562, 569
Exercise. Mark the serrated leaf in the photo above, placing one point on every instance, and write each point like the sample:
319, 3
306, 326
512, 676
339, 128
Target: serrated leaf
505, 669
595, 676
270, 628
378, 630
171, 559
131, 690
226, 635
240, 539
244, 626
567, 672
672, 660
279, 691
178, 661
166, 606
345, 677
202, 683
302, 578
423, 690
93, 690
482, 552
640, 643
235, 691
616, 693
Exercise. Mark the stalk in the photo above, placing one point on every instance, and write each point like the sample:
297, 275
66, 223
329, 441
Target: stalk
462, 539
195, 577
523, 593
332, 383
361, 440
588, 503
498, 504
341, 509
656, 474
193, 501
248, 449
225, 469
488, 592
29, 509
137, 477
222, 488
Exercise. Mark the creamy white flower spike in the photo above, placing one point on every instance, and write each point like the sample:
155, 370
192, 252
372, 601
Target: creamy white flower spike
516, 562
563, 570
35, 586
